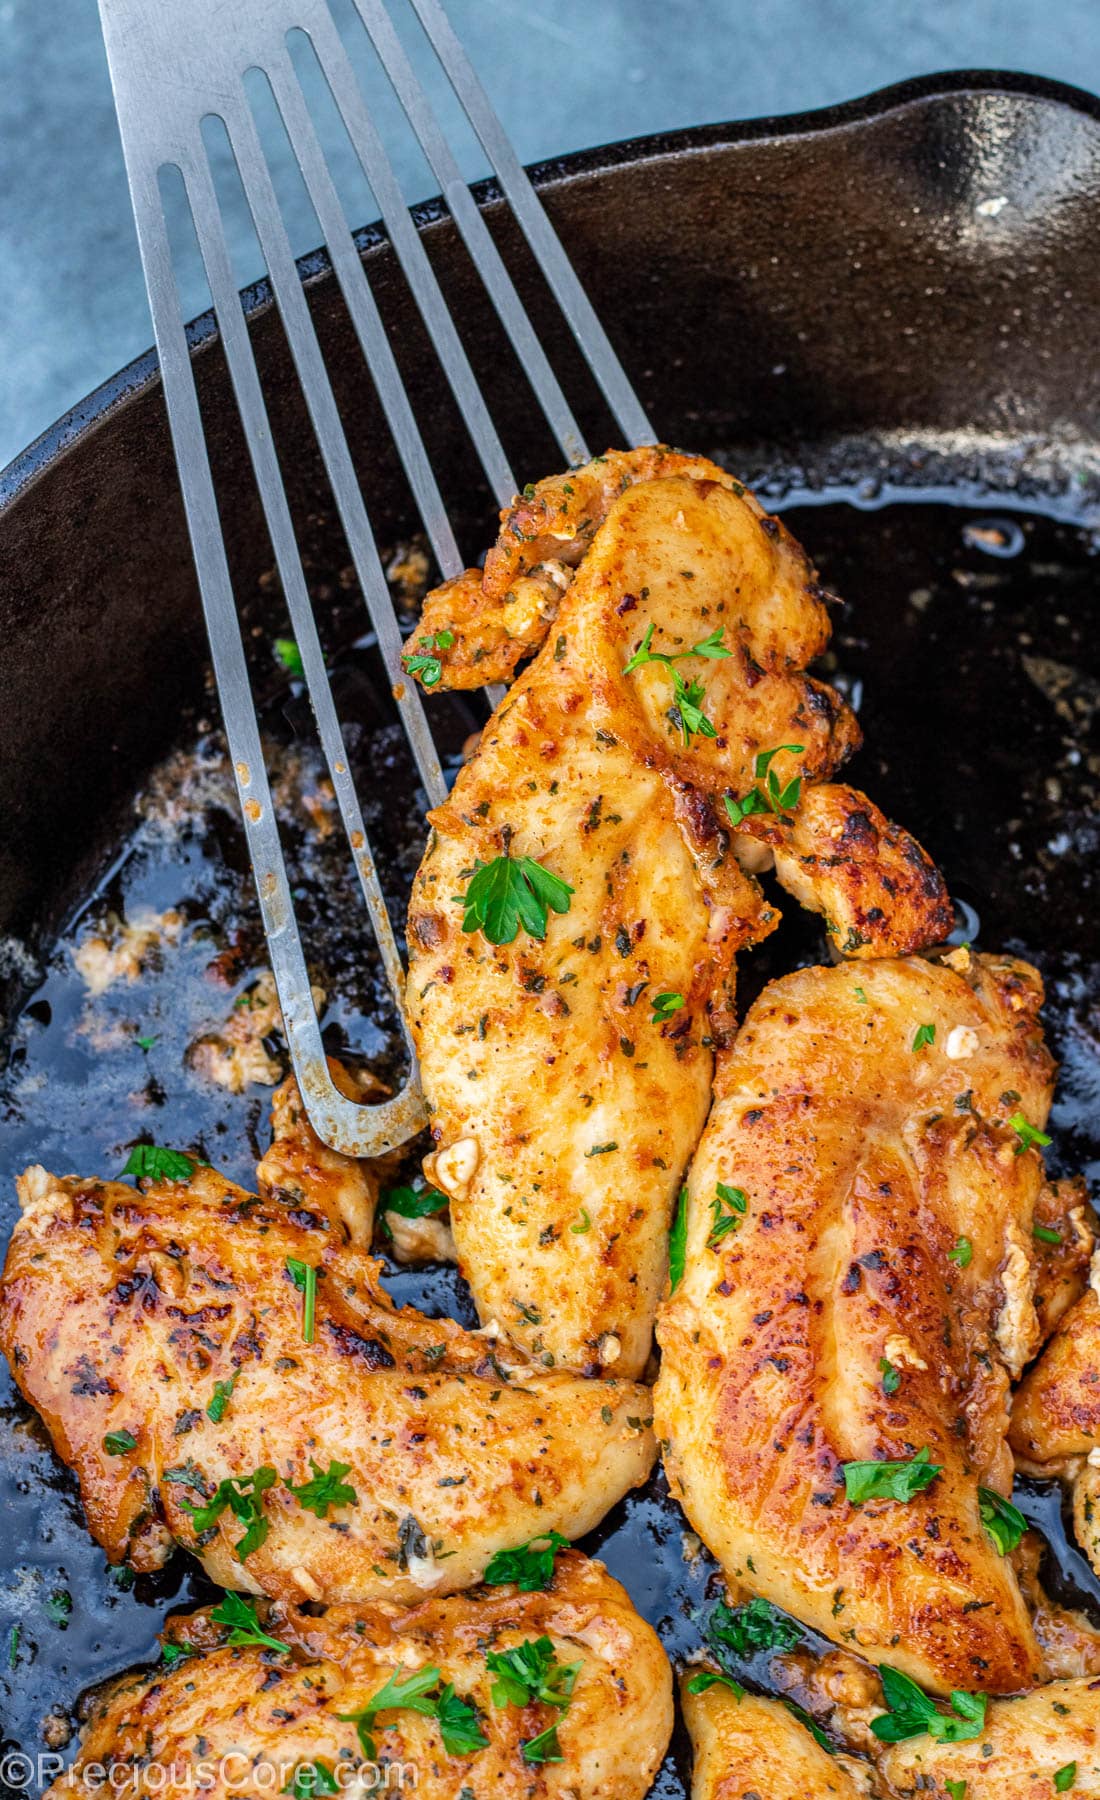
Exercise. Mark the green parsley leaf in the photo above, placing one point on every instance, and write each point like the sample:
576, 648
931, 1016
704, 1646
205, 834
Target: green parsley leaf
585, 1224
664, 1005
304, 1277
243, 1495
677, 1243
311, 1778
956, 1789
911, 1713
708, 1678
420, 661
151, 1162
13, 1646
728, 1205
290, 656
119, 1443
924, 1034
58, 1607
171, 1654
687, 696
1004, 1522
530, 1672
891, 1377
458, 1725
1029, 1135
413, 1203
325, 1490
146, 1043
403, 1692
530, 1565
509, 892
861, 997
1065, 1777
774, 796
215, 1410
888, 1480
757, 1625
961, 1252
544, 1748
1046, 1234
238, 1615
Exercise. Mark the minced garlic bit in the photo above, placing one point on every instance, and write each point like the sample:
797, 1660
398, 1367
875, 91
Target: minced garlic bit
962, 1042
124, 947
234, 1055
902, 1353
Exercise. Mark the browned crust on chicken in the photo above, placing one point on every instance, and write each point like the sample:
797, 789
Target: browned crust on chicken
865, 1162
753, 1745
121, 1310
501, 614
243, 1711
563, 1108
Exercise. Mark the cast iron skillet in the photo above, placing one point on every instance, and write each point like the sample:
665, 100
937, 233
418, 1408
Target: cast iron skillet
883, 315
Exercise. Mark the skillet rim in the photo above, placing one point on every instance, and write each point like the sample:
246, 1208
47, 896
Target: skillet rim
70, 431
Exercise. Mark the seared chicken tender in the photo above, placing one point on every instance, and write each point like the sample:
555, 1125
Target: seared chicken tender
1056, 1414
568, 1076
226, 1372
494, 617
749, 1745
858, 1286
259, 1718
1024, 1744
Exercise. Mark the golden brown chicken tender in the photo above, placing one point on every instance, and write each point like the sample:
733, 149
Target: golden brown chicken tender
567, 1067
251, 1719
226, 1372
858, 1287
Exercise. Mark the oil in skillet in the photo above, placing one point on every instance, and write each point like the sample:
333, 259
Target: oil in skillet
970, 644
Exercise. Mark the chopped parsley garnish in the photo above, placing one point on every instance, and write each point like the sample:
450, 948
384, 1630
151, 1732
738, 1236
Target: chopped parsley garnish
1029, 1135
420, 660
911, 1713
509, 892
1046, 1234
708, 1678
861, 997
171, 1654
457, 1721
888, 1480
757, 1625
414, 1203
290, 656
544, 1748
961, 1253
677, 1243
58, 1607
955, 1789
13, 1646
119, 1443
146, 1043
243, 1495
891, 1377
664, 1005
216, 1406
924, 1034
1004, 1522
728, 1206
304, 1277
530, 1565
415, 1692
1065, 1778
151, 1162
325, 1489
311, 1778
583, 1224
530, 1672
687, 696
238, 1615
774, 796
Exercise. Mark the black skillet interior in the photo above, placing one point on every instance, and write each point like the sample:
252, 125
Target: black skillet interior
882, 317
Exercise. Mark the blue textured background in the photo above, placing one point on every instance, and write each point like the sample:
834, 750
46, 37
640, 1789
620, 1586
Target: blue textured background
564, 73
